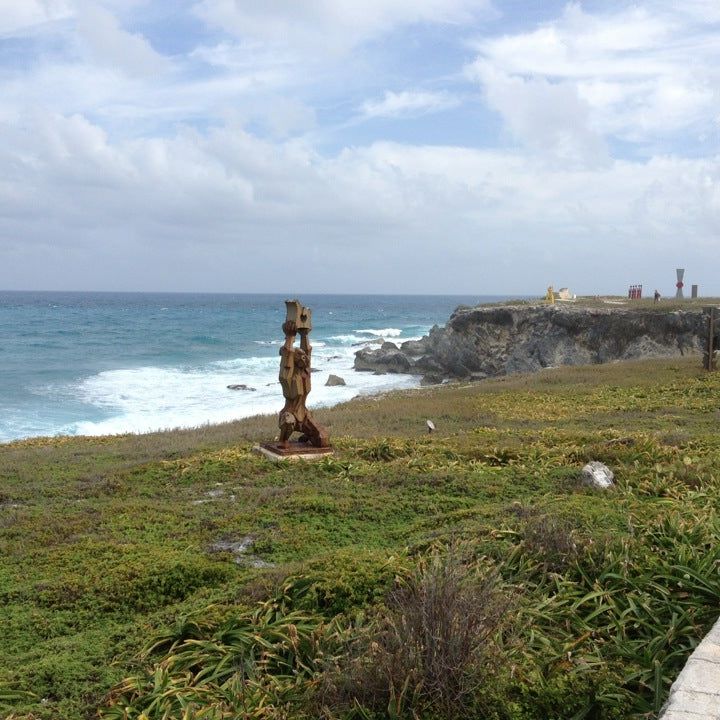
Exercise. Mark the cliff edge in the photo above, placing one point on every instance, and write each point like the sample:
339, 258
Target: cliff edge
487, 341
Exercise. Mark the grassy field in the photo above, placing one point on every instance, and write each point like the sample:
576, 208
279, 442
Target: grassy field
608, 302
181, 575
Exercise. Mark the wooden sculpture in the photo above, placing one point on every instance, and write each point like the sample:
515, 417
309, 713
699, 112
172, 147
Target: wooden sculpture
295, 380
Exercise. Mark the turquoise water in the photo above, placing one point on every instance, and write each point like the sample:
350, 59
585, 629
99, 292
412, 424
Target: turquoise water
102, 363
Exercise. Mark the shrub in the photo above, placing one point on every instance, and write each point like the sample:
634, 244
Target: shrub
343, 581
138, 588
430, 649
551, 539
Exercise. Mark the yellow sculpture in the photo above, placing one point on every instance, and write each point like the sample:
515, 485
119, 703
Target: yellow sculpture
550, 296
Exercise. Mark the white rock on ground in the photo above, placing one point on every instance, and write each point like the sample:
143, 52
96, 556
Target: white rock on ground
597, 474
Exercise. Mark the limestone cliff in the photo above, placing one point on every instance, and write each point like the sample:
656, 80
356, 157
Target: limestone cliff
486, 341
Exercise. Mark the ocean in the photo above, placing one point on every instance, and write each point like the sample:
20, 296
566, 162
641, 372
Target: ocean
109, 363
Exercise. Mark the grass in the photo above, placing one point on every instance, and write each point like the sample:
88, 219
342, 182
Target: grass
608, 302
106, 548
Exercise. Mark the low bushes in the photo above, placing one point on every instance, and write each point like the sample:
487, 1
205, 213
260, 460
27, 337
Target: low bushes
256, 664
430, 649
631, 611
599, 630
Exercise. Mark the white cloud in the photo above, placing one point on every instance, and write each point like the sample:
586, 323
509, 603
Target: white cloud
131, 105
21, 15
95, 67
638, 73
330, 25
382, 217
244, 57
114, 46
580, 44
700, 11
551, 119
408, 103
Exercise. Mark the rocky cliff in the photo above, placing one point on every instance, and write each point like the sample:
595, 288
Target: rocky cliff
485, 341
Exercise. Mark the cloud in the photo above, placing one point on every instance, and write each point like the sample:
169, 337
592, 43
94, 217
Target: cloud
551, 119
700, 11
245, 152
636, 74
22, 15
408, 103
330, 25
113, 46
228, 204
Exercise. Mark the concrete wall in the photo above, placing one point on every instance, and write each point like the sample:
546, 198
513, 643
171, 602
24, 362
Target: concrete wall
695, 695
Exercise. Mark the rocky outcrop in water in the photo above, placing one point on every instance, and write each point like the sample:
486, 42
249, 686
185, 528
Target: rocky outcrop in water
487, 341
386, 359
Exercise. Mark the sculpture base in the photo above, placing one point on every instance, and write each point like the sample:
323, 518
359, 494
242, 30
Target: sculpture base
277, 452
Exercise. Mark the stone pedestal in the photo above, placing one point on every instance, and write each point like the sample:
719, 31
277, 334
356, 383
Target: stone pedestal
278, 452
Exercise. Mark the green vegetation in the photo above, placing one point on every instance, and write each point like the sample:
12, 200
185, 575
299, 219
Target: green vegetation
609, 302
459, 574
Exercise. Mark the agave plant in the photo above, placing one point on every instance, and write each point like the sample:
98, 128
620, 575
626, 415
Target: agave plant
255, 664
641, 607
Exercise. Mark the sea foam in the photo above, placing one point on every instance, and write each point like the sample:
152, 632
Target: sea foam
153, 398
383, 333
99, 363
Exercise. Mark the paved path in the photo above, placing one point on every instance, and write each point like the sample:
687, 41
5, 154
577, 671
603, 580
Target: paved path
695, 695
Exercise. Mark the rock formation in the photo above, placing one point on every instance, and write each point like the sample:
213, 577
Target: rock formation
384, 359
487, 341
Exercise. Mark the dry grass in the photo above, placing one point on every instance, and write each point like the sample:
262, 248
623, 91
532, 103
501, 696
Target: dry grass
431, 648
452, 407
552, 540
609, 302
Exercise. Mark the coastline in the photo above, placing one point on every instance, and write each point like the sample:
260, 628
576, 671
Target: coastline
83, 363
389, 385
479, 341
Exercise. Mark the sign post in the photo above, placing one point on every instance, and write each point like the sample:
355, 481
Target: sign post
711, 343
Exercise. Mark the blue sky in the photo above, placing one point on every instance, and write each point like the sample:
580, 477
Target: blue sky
434, 146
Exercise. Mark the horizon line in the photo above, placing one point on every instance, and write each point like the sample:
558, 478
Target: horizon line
276, 293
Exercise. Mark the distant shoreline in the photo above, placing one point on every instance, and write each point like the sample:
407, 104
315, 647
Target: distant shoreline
148, 397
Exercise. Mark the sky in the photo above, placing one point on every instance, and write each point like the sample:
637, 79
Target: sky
359, 146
